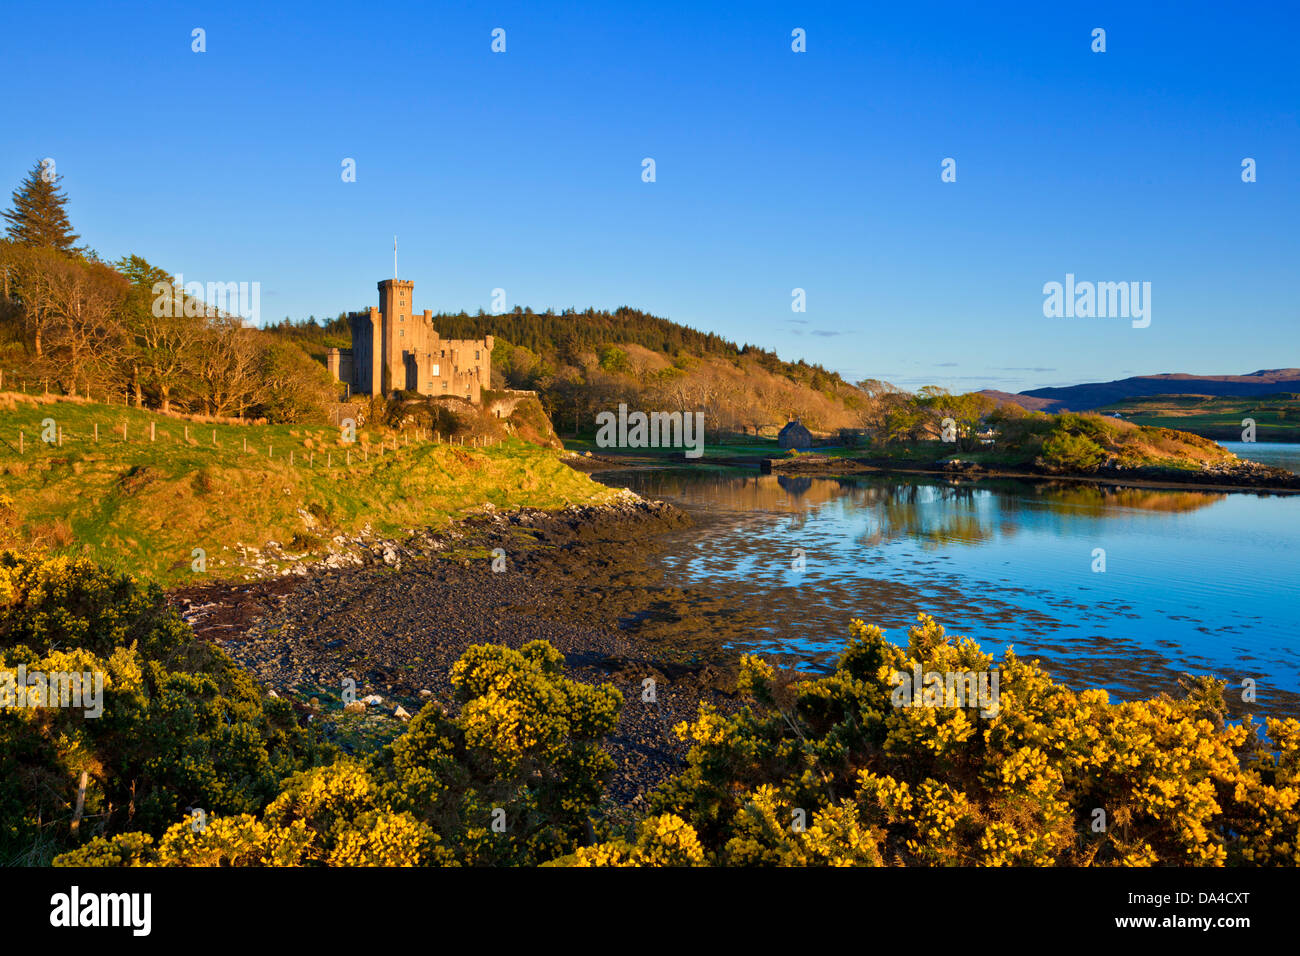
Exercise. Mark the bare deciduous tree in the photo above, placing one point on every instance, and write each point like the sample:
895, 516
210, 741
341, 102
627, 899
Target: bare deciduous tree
228, 367
167, 345
85, 334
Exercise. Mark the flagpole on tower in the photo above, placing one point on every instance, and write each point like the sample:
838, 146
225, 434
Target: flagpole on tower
394, 257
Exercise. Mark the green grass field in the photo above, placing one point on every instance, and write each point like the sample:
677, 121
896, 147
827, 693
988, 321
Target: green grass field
143, 506
1277, 417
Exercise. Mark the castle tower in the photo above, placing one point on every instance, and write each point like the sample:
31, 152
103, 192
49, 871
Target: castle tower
395, 298
396, 349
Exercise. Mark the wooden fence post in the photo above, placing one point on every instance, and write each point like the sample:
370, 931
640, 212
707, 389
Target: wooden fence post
81, 802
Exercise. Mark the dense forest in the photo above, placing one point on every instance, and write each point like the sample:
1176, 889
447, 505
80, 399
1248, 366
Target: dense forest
583, 361
564, 337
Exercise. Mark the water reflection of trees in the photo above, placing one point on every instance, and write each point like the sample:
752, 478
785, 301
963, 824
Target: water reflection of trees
935, 512
1095, 499
739, 491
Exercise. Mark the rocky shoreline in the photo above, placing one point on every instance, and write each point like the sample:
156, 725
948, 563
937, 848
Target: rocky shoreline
393, 615
1238, 476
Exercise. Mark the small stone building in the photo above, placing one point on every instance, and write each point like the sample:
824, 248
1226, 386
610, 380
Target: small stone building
794, 435
395, 349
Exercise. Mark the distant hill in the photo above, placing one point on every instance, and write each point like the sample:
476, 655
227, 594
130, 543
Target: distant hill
1082, 398
1025, 401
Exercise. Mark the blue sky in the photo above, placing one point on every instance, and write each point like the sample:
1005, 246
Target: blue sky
775, 169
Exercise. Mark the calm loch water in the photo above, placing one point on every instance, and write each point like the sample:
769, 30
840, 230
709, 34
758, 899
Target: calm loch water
1194, 582
1278, 454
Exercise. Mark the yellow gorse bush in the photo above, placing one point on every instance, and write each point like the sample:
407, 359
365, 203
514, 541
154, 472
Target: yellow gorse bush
514, 778
1054, 776
831, 771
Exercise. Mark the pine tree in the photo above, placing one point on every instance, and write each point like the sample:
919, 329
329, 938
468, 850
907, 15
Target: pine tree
38, 217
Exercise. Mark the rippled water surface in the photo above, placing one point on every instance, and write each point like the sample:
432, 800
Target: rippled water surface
1194, 581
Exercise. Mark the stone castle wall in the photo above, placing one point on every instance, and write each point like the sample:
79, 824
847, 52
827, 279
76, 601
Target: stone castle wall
395, 349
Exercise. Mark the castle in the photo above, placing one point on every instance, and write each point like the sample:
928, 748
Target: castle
394, 349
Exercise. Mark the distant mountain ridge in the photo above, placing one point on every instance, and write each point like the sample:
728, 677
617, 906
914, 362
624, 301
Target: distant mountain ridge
1082, 398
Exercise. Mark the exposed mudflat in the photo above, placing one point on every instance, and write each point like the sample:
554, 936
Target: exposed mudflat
578, 579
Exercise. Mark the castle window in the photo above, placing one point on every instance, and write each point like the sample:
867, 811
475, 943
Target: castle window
435, 368
476, 355
401, 333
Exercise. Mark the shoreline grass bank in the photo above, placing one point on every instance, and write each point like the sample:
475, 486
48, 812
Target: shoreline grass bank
161, 496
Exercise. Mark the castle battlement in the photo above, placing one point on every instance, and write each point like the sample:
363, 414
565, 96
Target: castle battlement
394, 349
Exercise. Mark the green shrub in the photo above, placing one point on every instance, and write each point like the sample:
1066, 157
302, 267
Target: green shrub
1064, 451
181, 725
1094, 427
513, 779
298, 388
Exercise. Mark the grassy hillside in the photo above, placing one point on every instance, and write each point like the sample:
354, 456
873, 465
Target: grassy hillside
1069, 442
143, 506
1277, 416
1073, 442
